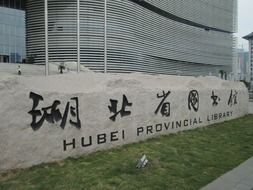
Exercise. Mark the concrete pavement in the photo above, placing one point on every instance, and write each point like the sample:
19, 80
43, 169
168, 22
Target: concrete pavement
251, 107
240, 178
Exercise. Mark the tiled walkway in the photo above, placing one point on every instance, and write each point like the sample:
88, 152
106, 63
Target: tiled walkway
251, 107
240, 178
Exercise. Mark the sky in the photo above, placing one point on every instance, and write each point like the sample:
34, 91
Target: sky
245, 21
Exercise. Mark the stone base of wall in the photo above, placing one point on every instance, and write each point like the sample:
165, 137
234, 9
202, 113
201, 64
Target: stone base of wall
44, 119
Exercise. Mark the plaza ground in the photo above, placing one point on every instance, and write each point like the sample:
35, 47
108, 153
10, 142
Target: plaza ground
240, 178
251, 106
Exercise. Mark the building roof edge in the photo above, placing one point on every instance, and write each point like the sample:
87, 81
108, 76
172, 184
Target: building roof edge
249, 36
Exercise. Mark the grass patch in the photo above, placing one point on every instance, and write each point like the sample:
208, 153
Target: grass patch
187, 160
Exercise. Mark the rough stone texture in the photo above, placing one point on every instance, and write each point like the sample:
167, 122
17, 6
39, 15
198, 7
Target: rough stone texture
21, 146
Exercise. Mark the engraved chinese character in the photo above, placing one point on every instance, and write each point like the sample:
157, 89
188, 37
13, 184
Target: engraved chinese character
193, 100
114, 108
232, 98
52, 114
163, 107
215, 99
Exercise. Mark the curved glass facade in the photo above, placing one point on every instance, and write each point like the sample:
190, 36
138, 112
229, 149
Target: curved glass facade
12, 31
166, 37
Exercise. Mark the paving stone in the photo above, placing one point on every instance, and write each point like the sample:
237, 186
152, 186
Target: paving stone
240, 178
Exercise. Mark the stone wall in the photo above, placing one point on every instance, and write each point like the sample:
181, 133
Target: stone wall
43, 119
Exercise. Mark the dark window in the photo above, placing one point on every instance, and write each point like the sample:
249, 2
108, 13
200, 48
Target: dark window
12, 4
59, 28
22, 4
6, 3
17, 4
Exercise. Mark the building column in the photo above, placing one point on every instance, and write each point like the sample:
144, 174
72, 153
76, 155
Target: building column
105, 36
78, 36
46, 38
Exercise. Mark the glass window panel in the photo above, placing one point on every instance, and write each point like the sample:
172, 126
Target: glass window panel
6, 3
22, 4
12, 4
1, 49
12, 31
17, 4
